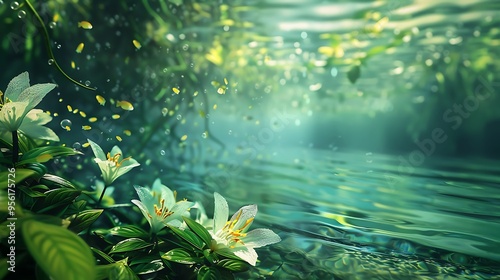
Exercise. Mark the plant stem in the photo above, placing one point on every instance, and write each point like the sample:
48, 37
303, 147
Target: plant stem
102, 195
15, 147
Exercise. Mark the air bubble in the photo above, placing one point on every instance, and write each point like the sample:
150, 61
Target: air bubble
204, 135
77, 146
230, 132
21, 14
179, 117
87, 83
14, 5
51, 61
52, 24
162, 152
66, 124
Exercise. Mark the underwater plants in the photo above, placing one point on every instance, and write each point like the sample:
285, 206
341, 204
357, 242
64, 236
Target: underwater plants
55, 228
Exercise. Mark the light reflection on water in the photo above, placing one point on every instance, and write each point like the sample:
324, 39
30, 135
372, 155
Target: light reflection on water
357, 213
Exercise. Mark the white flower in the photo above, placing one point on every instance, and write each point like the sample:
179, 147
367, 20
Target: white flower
233, 234
112, 165
17, 113
159, 206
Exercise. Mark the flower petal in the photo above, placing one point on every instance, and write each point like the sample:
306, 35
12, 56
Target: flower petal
98, 152
32, 126
247, 254
12, 114
247, 212
143, 209
17, 85
221, 212
260, 237
35, 93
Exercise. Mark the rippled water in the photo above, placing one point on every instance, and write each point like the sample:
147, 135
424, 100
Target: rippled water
364, 216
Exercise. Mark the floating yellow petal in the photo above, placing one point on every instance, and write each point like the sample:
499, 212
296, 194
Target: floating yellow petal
93, 119
176, 90
115, 116
86, 127
85, 24
136, 43
69, 108
67, 128
79, 49
86, 144
100, 99
82, 113
127, 132
118, 138
56, 17
215, 107
73, 65
225, 81
184, 137
125, 105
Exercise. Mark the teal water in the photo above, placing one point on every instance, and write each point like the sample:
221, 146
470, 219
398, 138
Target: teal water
354, 215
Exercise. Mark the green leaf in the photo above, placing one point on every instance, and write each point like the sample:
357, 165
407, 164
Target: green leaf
208, 273
128, 245
199, 230
19, 175
58, 197
30, 192
58, 251
121, 272
146, 268
180, 255
226, 252
189, 236
129, 231
233, 265
84, 219
103, 255
46, 153
104, 271
354, 73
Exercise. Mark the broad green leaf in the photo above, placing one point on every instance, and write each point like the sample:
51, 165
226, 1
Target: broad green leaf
84, 219
189, 236
122, 272
128, 245
199, 230
46, 153
16, 177
146, 268
354, 73
104, 271
233, 265
58, 197
30, 192
208, 273
226, 252
180, 255
39, 168
129, 231
59, 252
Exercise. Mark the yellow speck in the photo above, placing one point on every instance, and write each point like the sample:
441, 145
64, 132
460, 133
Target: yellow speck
79, 49
176, 90
60, 100
69, 108
85, 24
125, 105
73, 65
184, 137
86, 127
56, 17
67, 128
118, 138
86, 144
56, 114
127, 132
115, 116
82, 113
195, 93
100, 99
225, 81
221, 90
202, 113
93, 119
75, 111
215, 107
136, 43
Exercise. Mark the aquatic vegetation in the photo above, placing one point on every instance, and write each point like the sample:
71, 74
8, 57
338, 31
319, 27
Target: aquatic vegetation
159, 206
